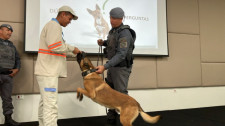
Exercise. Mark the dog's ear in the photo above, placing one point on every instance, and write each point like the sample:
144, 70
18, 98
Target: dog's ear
97, 7
90, 11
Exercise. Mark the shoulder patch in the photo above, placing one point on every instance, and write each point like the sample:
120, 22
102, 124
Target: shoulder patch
123, 42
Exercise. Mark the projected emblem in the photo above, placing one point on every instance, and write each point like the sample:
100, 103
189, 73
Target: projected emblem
99, 22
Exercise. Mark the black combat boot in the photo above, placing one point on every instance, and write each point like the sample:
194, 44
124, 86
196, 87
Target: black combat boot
111, 116
10, 122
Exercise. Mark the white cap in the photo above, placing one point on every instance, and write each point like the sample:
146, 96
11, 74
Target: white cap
68, 9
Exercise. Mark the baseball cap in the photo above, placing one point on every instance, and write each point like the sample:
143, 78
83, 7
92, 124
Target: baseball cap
7, 26
68, 9
117, 12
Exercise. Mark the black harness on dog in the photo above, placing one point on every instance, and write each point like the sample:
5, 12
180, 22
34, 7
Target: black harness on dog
85, 73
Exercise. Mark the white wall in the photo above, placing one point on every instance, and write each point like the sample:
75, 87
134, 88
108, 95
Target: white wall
151, 100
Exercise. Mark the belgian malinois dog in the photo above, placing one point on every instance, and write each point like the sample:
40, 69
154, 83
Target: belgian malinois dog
100, 92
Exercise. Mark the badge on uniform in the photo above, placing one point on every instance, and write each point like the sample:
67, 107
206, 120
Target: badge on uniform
123, 42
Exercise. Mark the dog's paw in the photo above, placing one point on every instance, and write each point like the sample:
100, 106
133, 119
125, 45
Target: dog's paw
78, 95
81, 97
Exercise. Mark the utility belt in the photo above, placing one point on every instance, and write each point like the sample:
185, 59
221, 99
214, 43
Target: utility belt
5, 71
125, 63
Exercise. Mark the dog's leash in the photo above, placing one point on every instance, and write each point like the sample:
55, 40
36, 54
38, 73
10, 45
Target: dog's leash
100, 53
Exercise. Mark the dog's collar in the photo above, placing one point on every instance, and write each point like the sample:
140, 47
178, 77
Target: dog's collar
85, 73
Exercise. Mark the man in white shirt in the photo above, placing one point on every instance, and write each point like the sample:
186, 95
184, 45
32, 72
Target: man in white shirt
51, 64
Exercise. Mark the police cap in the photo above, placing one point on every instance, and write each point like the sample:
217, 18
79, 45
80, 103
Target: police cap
117, 12
7, 26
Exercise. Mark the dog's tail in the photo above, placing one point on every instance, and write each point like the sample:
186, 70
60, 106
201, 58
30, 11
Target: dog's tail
148, 118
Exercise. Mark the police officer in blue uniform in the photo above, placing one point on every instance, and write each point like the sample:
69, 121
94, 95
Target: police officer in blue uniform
119, 48
9, 66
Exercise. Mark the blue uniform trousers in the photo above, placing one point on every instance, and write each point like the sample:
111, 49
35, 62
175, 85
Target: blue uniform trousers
6, 84
117, 78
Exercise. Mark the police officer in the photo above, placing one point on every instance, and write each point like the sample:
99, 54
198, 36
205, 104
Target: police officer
9, 66
119, 48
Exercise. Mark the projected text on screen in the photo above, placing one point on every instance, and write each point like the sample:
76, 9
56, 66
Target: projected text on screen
146, 17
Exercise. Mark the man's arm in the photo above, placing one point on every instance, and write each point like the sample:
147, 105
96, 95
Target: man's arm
55, 41
17, 65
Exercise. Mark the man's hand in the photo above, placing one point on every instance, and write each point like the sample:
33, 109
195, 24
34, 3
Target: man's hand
76, 51
100, 42
100, 69
14, 72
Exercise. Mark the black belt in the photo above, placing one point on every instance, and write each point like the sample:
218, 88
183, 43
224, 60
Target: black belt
5, 71
85, 73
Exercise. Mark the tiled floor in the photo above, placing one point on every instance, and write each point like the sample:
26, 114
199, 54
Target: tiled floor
212, 116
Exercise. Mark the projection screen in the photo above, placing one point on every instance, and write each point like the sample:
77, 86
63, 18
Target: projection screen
146, 17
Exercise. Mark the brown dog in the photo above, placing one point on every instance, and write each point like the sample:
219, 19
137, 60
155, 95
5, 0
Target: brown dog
100, 92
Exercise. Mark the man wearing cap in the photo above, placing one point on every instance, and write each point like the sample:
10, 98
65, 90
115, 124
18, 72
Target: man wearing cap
51, 64
9, 67
119, 48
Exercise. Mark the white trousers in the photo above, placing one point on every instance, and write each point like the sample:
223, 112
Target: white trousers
48, 108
